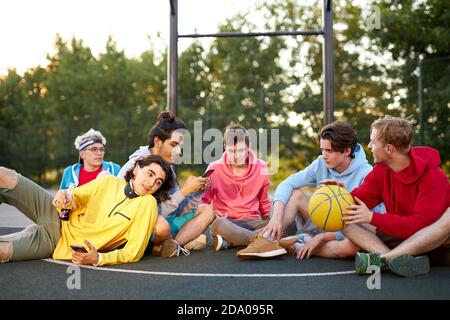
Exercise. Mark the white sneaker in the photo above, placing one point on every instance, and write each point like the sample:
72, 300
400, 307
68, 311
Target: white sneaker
198, 243
220, 243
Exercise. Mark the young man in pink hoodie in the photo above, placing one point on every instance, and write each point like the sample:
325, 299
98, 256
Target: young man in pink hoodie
239, 195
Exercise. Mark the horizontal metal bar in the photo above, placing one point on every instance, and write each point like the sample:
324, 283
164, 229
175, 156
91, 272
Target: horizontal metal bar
254, 34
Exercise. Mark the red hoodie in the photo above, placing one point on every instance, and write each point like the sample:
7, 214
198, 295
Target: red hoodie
242, 197
414, 198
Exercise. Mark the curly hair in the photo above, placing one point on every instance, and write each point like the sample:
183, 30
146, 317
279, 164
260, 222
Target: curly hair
162, 194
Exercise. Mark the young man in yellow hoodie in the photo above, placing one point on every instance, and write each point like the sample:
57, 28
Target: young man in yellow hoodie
112, 217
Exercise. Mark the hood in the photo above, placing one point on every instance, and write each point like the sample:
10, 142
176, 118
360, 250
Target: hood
253, 165
356, 163
143, 151
255, 169
422, 159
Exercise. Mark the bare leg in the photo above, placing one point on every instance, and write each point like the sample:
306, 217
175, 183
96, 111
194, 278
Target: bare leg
424, 240
296, 206
335, 249
231, 232
365, 239
161, 231
8, 178
5, 251
195, 227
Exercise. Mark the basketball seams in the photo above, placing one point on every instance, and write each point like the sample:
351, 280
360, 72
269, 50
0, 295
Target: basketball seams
320, 203
337, 195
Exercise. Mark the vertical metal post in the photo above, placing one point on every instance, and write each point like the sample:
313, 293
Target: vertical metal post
419, 102
172, 61
328, 62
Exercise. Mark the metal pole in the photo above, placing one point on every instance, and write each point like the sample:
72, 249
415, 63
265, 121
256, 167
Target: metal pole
419, 102
253, 34
172, 61
328, 62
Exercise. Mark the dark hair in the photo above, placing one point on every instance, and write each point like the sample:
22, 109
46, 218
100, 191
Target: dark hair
341, 136
163, 192
167, 123
236, 133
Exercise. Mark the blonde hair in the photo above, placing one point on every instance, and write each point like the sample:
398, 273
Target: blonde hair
395, 131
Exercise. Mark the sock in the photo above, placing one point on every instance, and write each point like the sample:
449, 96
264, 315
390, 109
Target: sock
298, 246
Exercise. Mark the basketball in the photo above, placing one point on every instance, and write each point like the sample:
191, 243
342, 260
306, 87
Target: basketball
327, 206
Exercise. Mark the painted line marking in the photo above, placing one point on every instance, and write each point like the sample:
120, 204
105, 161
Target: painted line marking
223, 275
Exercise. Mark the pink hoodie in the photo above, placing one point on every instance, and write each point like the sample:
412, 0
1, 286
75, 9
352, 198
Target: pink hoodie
241, 197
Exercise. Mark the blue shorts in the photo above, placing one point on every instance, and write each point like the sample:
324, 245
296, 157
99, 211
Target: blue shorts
178, 221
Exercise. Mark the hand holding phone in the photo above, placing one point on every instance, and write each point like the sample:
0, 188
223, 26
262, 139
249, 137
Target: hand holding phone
78, 248
208, 173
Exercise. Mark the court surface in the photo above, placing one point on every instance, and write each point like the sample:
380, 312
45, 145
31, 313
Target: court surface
207, 275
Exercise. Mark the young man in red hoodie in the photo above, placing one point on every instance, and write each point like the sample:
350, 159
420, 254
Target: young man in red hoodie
239, 195
416, 194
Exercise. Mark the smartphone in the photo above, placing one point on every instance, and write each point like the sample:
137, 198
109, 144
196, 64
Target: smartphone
78, 248
208, 173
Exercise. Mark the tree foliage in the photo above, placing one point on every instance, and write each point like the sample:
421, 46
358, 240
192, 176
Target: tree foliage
271, 83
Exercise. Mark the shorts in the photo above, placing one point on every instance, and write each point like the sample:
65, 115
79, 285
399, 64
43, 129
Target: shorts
178, 221
388, 240
254, 224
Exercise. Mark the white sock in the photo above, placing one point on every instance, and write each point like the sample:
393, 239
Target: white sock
298, 246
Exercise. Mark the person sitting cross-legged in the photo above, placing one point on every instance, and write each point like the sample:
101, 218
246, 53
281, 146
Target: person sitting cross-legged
239, 196
416, 193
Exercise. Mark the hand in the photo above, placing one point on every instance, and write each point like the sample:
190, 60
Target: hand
309, 247
206, 185
274, 229
332, 182
89, 258
60, 200
358, 213
193, 184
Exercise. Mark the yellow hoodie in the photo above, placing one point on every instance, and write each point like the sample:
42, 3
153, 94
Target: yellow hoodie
108, 219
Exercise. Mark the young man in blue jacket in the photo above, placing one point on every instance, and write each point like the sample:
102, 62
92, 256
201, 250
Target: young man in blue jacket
342, 159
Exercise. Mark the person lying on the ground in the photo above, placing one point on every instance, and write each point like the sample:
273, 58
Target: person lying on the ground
91, 151
112, 218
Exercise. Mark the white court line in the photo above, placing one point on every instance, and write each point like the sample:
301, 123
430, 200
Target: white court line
224, 275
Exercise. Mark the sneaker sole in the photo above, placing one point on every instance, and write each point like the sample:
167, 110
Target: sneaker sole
168, 250
271, 254
410, 266
218, 240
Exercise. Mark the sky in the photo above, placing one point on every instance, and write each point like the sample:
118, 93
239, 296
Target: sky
28, 28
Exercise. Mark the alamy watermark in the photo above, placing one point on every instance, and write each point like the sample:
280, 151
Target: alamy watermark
74, 280
374, 281
204, 147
